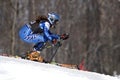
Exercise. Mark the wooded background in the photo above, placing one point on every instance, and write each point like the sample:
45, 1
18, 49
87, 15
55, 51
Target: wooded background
93, 25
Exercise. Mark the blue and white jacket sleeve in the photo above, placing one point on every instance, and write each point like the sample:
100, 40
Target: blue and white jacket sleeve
50, 36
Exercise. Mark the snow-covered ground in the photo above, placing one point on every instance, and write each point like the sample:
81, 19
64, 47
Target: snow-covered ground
19, 69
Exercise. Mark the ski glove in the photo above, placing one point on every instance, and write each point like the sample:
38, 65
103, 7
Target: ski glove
56, 42
64, 36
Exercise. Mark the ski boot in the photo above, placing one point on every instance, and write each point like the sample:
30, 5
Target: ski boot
35, 56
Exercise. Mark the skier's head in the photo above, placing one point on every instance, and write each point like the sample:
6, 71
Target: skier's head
53, 18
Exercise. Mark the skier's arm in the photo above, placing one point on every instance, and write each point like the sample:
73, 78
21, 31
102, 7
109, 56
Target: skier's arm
55, 36
48, 34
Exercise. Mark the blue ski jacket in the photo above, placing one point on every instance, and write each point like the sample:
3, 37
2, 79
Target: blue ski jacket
27, 35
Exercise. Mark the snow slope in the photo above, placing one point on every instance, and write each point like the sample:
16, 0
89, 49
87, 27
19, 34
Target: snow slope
19, 69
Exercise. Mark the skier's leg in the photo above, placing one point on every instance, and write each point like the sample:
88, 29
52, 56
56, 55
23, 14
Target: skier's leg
27, 35
39, 46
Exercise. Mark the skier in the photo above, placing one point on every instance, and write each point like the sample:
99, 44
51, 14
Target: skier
38, 31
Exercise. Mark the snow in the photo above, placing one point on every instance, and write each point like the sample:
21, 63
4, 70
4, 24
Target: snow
19, 69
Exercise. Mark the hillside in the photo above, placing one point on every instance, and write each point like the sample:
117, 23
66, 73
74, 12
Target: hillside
19, 69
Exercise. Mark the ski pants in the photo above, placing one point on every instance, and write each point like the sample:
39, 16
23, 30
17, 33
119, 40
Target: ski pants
27, 35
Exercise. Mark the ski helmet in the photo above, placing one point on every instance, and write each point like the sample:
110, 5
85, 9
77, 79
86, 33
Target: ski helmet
53, 17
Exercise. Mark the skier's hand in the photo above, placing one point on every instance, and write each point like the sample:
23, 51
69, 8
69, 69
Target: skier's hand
54, 41
64, 36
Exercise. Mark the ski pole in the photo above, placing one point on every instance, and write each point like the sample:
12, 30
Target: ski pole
58, 45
